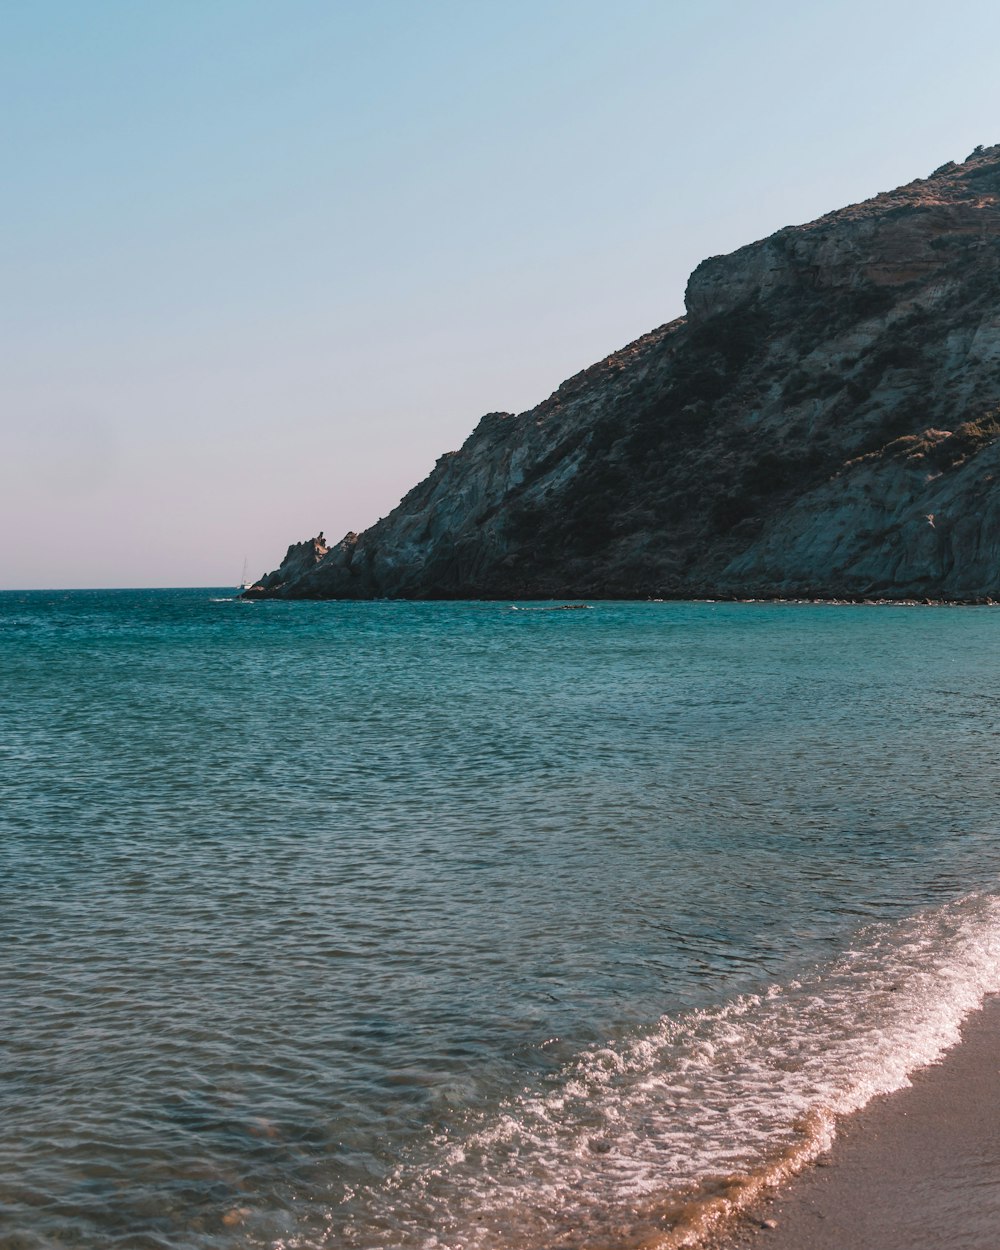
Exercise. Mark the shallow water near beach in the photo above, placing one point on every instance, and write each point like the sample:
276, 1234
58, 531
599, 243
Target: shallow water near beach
447, 925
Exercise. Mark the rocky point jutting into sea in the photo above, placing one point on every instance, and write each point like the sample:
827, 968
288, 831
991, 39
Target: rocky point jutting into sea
824, 421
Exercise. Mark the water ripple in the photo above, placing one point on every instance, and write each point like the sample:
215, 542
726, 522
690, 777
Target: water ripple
292, 894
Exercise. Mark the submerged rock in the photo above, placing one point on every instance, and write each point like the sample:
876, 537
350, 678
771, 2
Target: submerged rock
823, 423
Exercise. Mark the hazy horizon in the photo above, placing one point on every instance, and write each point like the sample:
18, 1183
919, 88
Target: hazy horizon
267, 265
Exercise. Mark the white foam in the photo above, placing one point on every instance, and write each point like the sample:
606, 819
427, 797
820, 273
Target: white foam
704, 1095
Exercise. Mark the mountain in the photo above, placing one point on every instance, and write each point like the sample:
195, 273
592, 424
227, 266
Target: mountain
823, 422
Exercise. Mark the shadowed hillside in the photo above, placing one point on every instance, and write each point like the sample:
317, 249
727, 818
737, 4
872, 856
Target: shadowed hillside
824, 421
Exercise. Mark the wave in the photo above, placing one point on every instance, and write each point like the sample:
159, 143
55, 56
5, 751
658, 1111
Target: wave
655, 1140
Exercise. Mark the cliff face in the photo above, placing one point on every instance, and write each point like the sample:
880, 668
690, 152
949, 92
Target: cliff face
825, 420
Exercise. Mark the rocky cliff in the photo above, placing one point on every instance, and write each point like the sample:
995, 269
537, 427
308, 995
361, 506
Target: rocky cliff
824, 421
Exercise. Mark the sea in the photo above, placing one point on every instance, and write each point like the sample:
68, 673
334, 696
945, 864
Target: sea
472, 926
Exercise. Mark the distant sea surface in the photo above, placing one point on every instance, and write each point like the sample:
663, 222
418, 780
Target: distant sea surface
471, 925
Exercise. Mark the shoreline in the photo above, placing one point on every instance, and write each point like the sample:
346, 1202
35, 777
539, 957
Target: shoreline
855, 601
858, 601
913, 1170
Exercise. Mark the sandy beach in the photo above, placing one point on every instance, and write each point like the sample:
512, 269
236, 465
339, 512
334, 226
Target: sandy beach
915, 1170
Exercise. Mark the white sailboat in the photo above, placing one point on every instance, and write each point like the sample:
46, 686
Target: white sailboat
244, 584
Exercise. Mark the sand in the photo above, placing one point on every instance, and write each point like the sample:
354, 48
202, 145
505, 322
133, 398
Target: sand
915, 1170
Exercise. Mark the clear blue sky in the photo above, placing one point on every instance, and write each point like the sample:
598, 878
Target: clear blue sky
264, 261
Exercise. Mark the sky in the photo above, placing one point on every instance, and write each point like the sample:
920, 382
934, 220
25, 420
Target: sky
263, 261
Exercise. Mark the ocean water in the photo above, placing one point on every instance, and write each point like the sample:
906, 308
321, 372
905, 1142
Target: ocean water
469, 925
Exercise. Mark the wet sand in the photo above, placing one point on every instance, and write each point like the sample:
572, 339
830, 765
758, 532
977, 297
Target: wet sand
915, 1170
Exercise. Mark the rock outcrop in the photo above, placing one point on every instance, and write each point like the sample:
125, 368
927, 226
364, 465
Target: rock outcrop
300, 559
824, 422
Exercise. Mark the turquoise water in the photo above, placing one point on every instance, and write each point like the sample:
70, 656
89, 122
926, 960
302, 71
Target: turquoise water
453, 925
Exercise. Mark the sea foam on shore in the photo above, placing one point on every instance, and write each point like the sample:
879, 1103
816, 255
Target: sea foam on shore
660, 1138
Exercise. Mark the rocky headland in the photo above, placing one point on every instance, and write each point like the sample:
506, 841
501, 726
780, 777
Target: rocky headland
824, 422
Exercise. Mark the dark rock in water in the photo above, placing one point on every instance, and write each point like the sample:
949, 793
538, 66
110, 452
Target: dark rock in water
824, 423
562, 607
